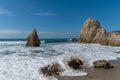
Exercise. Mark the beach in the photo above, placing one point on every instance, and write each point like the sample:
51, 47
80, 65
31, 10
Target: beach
98, 74
22, 63
59, 39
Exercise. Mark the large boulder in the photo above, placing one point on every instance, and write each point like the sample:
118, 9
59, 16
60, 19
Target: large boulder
92, 32
33, 39
102, 64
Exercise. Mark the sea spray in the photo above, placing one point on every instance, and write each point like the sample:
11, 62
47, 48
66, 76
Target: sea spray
20, 63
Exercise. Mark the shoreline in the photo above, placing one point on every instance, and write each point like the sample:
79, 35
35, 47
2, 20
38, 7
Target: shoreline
98, 74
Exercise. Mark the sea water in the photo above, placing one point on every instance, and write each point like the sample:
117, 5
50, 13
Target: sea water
18, 62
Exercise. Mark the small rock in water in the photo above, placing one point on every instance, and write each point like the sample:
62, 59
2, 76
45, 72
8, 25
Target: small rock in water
102, 64
75, 63
53, 69
74, 39
33, 39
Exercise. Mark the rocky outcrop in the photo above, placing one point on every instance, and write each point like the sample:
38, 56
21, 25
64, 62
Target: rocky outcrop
33, 39
92, 32
102, 64
114, 38
73, 39
75, 63
51, 70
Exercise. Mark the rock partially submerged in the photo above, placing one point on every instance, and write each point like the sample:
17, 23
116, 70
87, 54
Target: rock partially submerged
73, 39
75, 63
33, 39
92, 32
102, 64
53, 69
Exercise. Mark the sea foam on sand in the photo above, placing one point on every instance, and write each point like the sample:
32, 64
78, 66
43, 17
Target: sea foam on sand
22, 63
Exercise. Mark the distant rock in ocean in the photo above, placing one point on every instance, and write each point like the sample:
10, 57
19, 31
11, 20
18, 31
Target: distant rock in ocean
73, 39
33, 39
92, 32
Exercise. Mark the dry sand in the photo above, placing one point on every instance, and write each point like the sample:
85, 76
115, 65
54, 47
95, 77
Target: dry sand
98, 74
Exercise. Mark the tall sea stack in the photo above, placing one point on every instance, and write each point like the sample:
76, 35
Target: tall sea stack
33, 39
92, 32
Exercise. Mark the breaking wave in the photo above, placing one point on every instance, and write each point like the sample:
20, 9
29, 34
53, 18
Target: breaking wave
18, 62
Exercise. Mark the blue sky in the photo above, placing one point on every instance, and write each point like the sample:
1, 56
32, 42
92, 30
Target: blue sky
55, 18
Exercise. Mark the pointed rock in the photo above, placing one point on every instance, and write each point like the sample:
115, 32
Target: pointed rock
33, 39
92, 32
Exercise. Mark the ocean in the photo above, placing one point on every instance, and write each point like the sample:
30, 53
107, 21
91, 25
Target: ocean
18, 62
42, 40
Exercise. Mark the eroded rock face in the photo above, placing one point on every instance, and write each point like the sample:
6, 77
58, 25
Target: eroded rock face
75, 63
51, 70
102, 64
114, 38
33, 40
92, 32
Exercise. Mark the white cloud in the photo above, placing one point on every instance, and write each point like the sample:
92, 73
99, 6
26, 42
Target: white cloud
7, 32
56, 33
45, 14
42, 34
4, 11
39, 32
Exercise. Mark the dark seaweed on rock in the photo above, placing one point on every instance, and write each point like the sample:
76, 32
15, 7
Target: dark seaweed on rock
102, 64
53, 69
75, 63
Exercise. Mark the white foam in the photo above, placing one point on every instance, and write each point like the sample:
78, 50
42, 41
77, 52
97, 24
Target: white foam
2, 43
22, 63
89, 52
42, 42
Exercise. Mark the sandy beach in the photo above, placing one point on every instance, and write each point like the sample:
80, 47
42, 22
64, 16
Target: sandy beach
98, 74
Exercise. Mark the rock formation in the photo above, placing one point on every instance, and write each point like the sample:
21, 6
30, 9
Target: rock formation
51, 70
33, 39
92, 32
73, 39
113, 38
102, 64
75, 63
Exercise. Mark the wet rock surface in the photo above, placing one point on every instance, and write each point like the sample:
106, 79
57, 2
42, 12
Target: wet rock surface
53, 69
75, 63
102, 64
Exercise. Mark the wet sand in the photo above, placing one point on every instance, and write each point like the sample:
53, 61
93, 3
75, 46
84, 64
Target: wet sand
98, 74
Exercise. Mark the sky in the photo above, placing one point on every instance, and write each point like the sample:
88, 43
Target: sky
55, 18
